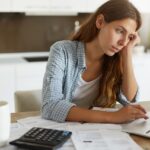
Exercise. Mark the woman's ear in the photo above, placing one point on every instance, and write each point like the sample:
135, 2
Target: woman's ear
100, 21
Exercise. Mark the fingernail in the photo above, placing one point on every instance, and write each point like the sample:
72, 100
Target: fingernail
146, 117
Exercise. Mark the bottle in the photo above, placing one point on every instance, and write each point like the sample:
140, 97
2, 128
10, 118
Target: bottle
76, 25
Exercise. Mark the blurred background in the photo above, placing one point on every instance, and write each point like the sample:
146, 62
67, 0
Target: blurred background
33, 25
29, 27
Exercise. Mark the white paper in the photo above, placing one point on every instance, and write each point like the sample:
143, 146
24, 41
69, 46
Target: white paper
67, 145
16, 131
39, 122
103, 140
35, 122
105, 136
94, 126
139, 127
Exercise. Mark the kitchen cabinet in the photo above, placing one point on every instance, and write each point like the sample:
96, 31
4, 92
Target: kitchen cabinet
7, 84
5, 5
142, 73
93, 5
59, 7
30, 76
20, 76
29, 5
142, 6
43, 6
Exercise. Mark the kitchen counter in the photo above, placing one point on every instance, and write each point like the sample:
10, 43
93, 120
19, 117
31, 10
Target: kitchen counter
21, 71
13, 58
26, 54
4, 61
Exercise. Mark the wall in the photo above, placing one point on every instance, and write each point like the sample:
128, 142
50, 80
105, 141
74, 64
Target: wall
145, 30
20, 33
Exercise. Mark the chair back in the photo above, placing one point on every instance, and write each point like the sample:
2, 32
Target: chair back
27, 100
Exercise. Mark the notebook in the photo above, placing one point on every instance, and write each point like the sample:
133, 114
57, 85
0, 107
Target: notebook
138, 127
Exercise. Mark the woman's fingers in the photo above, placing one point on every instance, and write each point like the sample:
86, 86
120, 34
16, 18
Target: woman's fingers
131, 113
138, 113
136, 39
138, 116
139, 107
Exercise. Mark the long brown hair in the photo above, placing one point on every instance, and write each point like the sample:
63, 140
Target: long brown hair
111, 72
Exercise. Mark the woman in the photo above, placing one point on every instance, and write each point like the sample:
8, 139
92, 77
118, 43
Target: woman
94, 68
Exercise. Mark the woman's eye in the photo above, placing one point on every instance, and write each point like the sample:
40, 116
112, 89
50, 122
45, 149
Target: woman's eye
119, 31
131, 38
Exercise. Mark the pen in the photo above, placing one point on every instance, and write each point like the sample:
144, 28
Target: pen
147, 132
123, 101
87, 141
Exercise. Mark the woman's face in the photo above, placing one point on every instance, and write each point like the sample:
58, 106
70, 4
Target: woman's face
115, 35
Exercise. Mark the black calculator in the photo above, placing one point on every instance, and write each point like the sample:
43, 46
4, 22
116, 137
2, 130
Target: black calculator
42, 139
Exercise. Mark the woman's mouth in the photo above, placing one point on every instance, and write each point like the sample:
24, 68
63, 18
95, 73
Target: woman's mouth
114, 49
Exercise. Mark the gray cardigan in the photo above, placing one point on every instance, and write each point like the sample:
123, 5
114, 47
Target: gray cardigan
65, 65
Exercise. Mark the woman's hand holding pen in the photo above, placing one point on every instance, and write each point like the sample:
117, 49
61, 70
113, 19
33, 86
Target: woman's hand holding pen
130, 113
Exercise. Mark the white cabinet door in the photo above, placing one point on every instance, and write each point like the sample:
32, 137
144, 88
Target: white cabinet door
29, 5
43, 5
25, 76
30, 76
142, 6
60, 7
7, 84
93, 5
142, 73
5, 5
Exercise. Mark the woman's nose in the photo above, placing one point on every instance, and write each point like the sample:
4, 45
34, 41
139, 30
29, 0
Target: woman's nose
123, 42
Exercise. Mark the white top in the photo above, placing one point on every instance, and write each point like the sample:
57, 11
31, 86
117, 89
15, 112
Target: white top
86, 92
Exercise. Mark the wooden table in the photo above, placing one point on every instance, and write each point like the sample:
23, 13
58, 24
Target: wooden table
142, 141
21, 115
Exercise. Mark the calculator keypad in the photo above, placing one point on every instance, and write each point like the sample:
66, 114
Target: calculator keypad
43, 137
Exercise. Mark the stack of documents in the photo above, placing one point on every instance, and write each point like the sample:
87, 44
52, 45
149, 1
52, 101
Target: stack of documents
89, 136
103, 140
138, 127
